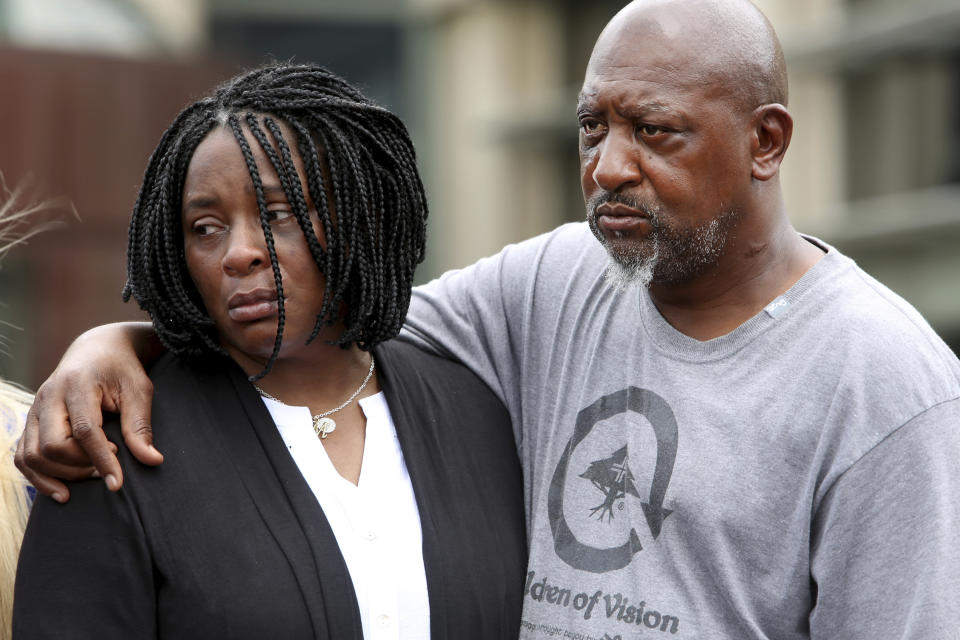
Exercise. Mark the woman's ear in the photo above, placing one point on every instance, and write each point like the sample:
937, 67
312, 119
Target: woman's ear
772, 129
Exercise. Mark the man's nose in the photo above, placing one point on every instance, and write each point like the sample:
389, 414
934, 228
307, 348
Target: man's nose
618, 162
247, 249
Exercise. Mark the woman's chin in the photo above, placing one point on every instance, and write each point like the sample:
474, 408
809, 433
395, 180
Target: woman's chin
249, 351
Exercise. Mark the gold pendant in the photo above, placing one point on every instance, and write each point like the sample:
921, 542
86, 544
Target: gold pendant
323, 426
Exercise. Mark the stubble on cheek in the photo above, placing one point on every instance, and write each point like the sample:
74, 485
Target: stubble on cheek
688, 251
670, 253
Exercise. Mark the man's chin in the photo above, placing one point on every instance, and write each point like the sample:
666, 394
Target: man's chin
627, 248
631, 271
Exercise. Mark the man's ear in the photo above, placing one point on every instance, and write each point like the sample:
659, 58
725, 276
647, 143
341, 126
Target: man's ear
772, 129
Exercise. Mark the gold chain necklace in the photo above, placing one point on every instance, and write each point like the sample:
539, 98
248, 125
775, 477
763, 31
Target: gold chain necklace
323, 425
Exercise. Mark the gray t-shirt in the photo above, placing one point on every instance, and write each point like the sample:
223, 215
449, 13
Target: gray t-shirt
796, 478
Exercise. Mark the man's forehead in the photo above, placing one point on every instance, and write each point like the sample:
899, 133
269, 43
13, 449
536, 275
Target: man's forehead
644, 78
727, 44
657, 47
642, 22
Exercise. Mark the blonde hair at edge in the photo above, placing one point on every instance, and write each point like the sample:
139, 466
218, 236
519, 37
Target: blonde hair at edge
14, 508
14, 403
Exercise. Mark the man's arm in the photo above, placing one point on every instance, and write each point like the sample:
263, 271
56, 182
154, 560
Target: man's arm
477, 316
101, 371
886, 547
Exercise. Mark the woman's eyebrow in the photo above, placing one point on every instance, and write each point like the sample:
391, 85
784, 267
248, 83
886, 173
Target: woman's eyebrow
205, 201
273, 188
201, 202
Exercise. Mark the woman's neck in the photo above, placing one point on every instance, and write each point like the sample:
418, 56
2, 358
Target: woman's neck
319, 375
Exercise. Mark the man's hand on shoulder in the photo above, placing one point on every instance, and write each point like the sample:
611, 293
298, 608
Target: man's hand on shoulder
64, 438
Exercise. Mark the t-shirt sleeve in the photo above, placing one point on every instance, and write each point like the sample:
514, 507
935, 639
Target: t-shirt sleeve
476, 316
885, 553
84, 569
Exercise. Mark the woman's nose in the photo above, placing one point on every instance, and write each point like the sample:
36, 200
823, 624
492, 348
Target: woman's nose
246, 251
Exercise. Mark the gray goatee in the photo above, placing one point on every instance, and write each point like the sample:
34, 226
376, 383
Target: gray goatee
672, 252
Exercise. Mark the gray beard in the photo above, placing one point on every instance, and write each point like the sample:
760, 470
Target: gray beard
674, 255
631, 272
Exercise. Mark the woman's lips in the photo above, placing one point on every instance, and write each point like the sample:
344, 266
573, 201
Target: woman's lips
252, 305
253, 311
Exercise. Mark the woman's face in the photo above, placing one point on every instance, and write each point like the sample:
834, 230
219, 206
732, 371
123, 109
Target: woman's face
227, 255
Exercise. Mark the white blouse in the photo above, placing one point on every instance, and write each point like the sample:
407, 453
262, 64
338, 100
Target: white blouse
376, 522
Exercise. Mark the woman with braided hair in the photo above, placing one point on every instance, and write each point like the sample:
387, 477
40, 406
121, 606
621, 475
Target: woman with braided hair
321, 480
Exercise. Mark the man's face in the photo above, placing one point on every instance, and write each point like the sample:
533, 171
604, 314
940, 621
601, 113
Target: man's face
664, 157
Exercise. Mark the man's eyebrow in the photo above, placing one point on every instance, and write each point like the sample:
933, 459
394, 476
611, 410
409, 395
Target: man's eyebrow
581, 102
656, 106
645, 108
630, 109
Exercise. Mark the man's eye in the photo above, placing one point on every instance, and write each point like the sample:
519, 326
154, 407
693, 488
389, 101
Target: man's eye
589, 126
651, 130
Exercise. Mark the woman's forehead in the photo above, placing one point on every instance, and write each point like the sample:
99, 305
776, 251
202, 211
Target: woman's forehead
221, 145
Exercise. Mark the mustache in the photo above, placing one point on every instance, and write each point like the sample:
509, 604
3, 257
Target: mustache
652, 211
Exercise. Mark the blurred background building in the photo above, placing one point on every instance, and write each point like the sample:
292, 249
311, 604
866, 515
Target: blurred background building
488, 89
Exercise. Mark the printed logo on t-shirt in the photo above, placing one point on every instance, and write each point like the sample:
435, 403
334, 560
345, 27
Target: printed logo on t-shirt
610, 480
613, 478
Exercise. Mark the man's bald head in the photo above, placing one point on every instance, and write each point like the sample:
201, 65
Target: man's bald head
682, 131
727, 43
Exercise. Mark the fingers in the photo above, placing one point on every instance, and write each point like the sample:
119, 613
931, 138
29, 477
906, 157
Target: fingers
86, 431
35, 467
54, 448
46, 435
100, 371
130, 393
135, 402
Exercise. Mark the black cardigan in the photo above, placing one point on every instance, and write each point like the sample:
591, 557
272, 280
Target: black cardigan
226, 540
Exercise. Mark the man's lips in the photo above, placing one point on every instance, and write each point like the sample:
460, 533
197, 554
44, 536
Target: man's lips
618, 217
252, 305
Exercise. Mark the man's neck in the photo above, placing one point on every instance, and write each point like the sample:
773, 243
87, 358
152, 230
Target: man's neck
738, 287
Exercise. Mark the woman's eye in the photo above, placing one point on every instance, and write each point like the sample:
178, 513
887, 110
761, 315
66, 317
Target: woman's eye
278, 215
204, 229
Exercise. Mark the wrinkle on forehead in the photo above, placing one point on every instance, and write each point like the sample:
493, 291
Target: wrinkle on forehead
644, 89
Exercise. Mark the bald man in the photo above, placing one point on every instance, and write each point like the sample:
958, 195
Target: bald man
728, 430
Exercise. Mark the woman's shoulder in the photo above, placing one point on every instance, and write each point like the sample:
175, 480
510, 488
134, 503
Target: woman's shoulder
430, 388
180, 369
184, 390
400, 358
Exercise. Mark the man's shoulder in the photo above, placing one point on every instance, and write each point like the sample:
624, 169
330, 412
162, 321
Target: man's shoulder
567, 254
573, 239
874, 339
865, 311
567, 248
